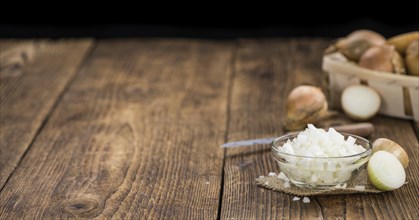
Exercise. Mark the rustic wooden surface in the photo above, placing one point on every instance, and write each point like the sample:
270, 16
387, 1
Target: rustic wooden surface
131, 128
33, 76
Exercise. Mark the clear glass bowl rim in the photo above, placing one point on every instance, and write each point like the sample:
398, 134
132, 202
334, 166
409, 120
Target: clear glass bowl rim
295, 134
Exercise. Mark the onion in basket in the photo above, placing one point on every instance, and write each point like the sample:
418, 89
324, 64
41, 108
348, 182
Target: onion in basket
412, 58
383, 58
356, 43
402, 41
360, 102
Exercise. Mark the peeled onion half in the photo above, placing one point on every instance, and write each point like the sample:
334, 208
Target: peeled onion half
385, 172
360, 102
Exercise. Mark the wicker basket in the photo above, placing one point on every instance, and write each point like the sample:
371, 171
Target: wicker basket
399, 93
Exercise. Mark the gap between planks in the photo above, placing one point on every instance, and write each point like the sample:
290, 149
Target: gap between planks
228, 112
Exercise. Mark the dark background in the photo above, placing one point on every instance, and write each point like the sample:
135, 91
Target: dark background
215, 25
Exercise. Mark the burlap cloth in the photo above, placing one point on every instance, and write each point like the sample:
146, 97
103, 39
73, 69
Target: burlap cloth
276, 184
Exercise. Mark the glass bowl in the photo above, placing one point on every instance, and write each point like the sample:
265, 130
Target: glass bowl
320, 172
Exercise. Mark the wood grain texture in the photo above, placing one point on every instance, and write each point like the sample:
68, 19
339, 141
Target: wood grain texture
136, 136
264, 74
136, 132
265, 71
32, 76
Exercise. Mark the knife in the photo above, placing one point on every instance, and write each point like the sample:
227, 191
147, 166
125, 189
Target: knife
360, 129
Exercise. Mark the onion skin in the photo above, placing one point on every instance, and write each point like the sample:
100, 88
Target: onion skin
398, 64
384, 144
305, 105
372, 36
352, 49
412, 58
402, 41
383, 58
356, 43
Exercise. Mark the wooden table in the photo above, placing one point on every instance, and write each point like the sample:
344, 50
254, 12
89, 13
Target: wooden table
131, 128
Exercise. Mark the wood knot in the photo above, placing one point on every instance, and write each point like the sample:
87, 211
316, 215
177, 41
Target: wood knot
80, 206
244, 164
13, 59
265, 74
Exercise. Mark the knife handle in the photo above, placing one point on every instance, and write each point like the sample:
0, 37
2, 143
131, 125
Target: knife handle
360, 129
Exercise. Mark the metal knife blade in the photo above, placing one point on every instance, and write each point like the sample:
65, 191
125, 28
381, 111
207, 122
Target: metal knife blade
248, 142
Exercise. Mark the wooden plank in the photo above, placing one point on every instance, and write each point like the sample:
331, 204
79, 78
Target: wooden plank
265, 71
33, 74
135, 137
264, 74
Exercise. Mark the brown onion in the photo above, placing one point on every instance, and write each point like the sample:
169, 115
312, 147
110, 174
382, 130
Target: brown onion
384, 144
305, 105
382, 58
412, 58
402, 41
356, 43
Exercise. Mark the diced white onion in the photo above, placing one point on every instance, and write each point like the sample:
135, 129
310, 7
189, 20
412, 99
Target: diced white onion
313, 142
282, 176
360, 188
